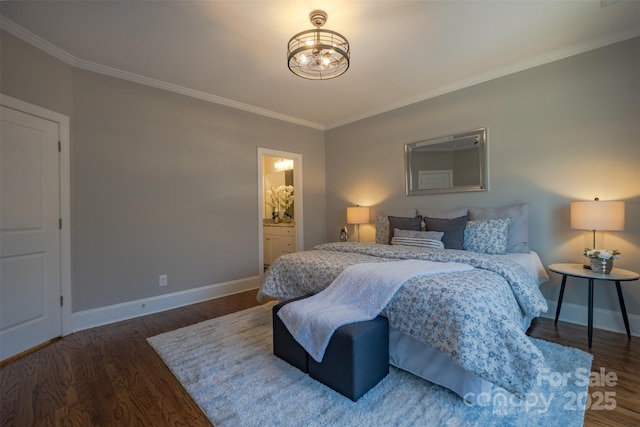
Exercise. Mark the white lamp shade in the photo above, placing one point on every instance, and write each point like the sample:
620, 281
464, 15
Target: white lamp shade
358, 215
597, 215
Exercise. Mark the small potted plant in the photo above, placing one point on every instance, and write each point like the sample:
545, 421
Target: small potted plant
601, 259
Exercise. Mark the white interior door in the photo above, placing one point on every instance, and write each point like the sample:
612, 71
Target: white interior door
30, 311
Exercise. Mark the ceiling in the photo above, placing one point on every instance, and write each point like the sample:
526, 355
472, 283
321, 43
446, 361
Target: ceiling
234, 52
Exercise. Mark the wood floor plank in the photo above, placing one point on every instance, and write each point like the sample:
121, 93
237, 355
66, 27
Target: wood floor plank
110, 375
613, 352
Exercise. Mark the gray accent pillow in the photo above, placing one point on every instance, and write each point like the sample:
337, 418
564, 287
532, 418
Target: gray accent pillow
518, 234
403, 224
456, 213
406, 213
453, 230
382, 222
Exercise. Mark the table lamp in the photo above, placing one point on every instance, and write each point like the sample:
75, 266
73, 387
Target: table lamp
358, 215
597, 215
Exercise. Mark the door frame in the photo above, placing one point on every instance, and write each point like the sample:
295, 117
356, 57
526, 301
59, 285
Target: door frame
65, 198
299, 189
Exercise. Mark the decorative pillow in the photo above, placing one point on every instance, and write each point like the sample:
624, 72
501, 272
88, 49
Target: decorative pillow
434, 235
421, 239
457, 213
403, 224
518, 235
405, 213
487, 237
382, 229
453, 230
382, 223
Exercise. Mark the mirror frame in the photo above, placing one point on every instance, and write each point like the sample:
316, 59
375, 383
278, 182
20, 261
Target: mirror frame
480, 135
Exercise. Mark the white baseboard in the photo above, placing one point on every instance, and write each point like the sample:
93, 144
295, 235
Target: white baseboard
602, 319
128, 310
608, 320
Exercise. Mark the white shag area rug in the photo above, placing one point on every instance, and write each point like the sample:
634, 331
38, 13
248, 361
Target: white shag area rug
227, 366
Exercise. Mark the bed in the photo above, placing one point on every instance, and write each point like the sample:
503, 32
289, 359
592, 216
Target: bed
462, 330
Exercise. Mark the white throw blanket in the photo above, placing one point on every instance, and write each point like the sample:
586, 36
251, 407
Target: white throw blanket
358, 294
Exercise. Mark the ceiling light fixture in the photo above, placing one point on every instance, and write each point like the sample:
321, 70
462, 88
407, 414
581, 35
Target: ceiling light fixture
318, 54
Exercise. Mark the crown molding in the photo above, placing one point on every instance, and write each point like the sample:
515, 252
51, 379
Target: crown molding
27, 36
170, 87
66, 57
40, 43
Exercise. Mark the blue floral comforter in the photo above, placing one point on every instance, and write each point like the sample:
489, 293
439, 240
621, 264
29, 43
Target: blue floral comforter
474, 317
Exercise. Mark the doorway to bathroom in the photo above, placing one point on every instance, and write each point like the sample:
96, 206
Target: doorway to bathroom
280, 206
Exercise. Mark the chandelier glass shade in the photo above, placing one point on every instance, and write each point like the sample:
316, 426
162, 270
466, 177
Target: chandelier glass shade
318, 54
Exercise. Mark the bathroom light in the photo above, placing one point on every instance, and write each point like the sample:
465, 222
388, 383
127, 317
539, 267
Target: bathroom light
283, 164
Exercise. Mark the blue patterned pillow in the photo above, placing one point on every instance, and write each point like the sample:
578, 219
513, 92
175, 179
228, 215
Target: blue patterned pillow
487, 237
518, 236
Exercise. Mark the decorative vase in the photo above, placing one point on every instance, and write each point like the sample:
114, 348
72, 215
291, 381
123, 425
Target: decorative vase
344, 235
599, 265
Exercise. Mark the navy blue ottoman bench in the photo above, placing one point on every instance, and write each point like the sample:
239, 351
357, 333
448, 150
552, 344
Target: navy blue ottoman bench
356, 359
284, 345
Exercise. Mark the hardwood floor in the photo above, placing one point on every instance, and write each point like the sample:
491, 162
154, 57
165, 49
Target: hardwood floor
613, 353
110, 376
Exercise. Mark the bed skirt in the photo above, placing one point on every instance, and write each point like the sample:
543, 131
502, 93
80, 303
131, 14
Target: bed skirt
425, 361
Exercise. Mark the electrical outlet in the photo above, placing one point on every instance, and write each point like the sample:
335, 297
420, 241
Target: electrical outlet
163, 280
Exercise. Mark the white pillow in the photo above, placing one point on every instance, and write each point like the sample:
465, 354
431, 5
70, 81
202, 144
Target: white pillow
436, 235
487, 237
421, 239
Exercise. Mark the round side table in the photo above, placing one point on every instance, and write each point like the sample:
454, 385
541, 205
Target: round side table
617, 275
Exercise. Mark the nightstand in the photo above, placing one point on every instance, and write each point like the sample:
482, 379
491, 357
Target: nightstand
617, 275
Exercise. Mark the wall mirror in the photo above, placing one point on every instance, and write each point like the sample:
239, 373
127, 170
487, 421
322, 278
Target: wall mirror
448, 164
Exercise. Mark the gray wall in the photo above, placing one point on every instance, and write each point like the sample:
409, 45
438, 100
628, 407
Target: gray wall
165, 184
161, 183
29, 75
560, 132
